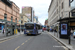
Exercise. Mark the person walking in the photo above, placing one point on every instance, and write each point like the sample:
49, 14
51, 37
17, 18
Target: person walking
19, 30
3, 30
72, 32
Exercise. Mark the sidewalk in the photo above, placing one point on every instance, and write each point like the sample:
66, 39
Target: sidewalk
64, 41
4, 37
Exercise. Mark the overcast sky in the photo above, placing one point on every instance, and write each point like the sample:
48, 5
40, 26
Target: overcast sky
40, 7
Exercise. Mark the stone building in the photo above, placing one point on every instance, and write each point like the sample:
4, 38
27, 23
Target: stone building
35, 19
58, 9
23, 19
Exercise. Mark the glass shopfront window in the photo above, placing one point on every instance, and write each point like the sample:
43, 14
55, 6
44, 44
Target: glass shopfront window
73, 5
5, 16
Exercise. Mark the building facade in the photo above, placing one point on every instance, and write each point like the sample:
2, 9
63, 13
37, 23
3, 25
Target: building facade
46, 22
9, 14
29, 12
23, 19
58, 9
35, 19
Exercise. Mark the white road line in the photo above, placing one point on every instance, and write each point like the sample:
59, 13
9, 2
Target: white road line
59, 43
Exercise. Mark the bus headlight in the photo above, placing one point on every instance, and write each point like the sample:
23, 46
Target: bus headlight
27, 31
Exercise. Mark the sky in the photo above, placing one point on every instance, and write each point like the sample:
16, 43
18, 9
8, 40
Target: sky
40, 7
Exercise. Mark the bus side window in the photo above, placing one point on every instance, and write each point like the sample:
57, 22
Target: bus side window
37, 28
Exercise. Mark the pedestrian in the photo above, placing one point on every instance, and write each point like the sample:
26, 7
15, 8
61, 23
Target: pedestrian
3, 30
22, 30
72, 32
19, 30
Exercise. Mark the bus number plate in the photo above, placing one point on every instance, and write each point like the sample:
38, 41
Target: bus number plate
29, 33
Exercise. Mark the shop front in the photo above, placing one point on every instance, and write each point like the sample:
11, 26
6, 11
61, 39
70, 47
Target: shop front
68, 23
8, 26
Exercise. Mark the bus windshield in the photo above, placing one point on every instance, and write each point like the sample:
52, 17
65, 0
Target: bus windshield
29, 26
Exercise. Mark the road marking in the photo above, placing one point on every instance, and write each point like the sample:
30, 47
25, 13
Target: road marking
22, 44
5, 40
8, 39
65, 48
29, 39
17, 47
59, 43
26, 41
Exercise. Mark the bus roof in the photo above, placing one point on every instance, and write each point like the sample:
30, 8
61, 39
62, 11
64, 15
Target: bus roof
29, 23
32, 23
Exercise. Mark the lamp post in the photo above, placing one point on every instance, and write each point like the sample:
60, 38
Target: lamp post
69, 30
69, 21
20, 25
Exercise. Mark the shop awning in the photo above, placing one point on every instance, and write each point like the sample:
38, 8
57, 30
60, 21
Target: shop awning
72, 19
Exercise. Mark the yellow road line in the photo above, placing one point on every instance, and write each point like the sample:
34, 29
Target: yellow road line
29, 38
26, 41
4, 40
8, 39
17, 47
22, 44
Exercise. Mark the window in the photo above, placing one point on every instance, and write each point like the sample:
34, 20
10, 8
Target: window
57, 3
5, 16
57, 11
16, 20
62, 14
62, 5
21, 17
11, 18
29, 26
21, 21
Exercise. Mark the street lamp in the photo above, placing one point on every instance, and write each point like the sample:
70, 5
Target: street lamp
69, 21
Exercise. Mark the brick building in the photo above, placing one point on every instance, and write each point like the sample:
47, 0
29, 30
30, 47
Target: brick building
9, 14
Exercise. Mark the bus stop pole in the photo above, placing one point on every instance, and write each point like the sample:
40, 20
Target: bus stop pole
58, 30
69, 24
20, 28
6, 28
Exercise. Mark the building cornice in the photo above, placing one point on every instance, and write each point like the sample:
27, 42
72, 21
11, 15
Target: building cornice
14, 3
50, 5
